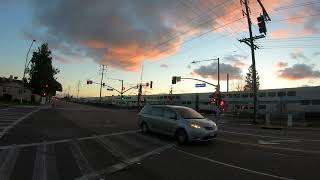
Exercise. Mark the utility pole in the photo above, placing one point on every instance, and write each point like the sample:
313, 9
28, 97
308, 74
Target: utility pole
101, 82
140, 87
227, 82
78, 89
219, 74
250, 41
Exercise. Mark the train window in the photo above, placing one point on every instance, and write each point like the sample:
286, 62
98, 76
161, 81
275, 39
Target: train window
244, 95
177, 97
161, 97
237, 106
189, 102
236, 95
165, 97
291, 93
262, 106
271, 94
305, 102
316, 102
183, 102
251, 94
262, 94
281, 93
229, 95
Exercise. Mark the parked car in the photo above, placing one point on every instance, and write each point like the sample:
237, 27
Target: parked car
183, 123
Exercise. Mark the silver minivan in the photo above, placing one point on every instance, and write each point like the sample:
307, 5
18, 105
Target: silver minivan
183, 123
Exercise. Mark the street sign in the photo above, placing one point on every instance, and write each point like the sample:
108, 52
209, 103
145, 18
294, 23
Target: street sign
201, 85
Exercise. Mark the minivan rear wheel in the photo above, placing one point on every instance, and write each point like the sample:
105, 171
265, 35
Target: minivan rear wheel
181, 136
144, 128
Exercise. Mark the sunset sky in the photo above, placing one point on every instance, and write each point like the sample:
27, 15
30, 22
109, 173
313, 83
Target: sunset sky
165, 35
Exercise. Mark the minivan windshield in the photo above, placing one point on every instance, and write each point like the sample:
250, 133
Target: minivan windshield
188, 113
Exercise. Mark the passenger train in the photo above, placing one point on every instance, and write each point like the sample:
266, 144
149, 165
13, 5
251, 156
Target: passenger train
287, 100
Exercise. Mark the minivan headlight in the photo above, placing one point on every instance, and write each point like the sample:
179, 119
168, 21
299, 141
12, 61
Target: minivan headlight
194, 125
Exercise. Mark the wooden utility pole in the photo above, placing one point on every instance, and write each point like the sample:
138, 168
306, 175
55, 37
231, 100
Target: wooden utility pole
78, 89
101, 82
250, 41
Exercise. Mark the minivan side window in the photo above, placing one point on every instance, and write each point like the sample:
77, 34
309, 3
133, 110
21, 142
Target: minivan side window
169, 114
157, 111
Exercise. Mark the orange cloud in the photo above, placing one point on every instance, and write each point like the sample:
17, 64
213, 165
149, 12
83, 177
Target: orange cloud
280, 33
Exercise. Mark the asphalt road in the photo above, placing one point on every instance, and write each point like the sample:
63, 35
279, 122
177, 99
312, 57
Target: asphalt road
73, 141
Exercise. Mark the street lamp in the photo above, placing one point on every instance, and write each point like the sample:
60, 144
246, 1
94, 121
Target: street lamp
215, 59
24, 71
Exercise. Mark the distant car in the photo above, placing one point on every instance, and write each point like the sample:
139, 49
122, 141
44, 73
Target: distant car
183, 123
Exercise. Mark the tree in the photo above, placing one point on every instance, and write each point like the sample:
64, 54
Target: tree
42, 74
249, 80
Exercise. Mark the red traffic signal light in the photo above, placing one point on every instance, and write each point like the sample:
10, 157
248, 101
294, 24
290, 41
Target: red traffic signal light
222, 103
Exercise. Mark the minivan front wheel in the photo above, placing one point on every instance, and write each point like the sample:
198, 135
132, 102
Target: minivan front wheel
181, 136
144, 128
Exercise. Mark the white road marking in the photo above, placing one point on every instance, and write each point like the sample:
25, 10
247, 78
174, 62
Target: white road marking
81, 160
8, 164
269, 147
16, 122
52, 173
231, 165
68, 140
266, 142
117, 167
39, 169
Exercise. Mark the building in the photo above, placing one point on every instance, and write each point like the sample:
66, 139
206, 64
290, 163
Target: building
12, 89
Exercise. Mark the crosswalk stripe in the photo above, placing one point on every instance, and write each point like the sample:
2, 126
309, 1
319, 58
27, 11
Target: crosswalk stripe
117, 167
81, 160
112, 148
17, 121
39, 169
52, 172
8, 164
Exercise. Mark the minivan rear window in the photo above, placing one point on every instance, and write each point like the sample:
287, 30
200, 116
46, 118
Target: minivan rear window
188, 113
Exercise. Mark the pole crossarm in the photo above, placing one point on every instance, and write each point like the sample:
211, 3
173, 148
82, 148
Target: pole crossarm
201, 81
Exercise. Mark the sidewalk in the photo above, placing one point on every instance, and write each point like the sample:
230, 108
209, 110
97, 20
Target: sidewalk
261, 123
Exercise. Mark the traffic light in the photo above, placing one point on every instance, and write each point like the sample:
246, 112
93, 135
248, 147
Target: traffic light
103, 84
147, 84
174, 80
222, 103
262, 24
89, 82
151, 84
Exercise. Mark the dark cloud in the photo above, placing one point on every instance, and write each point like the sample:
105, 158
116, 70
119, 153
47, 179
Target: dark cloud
164, 65
281, 64
211, 71
299, 71
298, 55
236, 60
123, 33
118, 32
